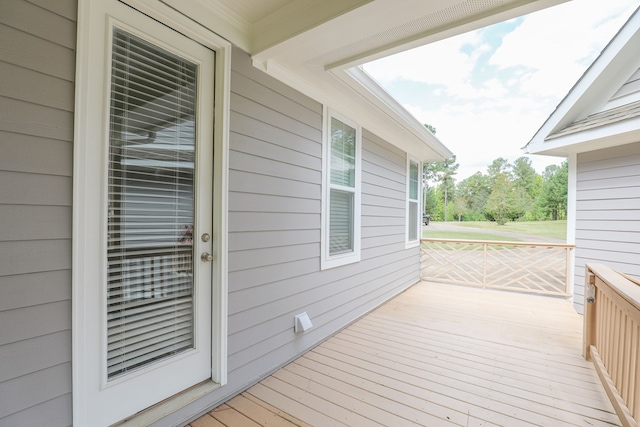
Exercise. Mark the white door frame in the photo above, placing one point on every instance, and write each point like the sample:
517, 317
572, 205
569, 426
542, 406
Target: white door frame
91, 77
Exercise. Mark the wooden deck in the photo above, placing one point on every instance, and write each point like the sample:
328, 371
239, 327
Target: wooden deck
437, 355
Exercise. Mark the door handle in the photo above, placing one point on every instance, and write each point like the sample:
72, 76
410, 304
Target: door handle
206, 257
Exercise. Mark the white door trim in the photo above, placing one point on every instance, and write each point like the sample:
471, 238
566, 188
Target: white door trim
91, 77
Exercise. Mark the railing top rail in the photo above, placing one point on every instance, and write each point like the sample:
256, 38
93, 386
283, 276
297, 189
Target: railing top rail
497, 242
627, 289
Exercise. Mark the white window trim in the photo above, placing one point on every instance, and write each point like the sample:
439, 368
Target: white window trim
330, 261
413, 243
90, 83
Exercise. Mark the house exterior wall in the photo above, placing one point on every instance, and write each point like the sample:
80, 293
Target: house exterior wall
607, 212
37, 41
274, 226
275, 189
275, 207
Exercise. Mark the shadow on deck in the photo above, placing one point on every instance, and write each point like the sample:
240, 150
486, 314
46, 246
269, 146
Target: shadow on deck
437, 355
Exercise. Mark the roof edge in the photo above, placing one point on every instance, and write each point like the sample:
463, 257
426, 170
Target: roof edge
402, 116
588, 89
356, 95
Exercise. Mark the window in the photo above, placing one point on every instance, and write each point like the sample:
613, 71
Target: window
413, 202
341, 219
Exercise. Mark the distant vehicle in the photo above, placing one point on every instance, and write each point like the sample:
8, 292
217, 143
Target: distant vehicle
425, 219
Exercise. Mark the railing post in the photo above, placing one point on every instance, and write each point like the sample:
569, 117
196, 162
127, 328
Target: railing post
484, 272
589, 331
567, 284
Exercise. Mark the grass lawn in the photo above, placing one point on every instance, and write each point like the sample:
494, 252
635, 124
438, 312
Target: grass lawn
467, 235
556, 229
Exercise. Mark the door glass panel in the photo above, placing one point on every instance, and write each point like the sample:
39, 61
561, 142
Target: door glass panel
150, 286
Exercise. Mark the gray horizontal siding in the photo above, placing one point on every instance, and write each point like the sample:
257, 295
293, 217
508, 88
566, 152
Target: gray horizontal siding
37, 69
275, 190
276, 279
607, 212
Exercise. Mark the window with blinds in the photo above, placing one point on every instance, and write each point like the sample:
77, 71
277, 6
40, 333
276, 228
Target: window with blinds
150, 314
413, 194
342, 187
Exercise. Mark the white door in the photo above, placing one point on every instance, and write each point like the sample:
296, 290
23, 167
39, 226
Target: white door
151, 315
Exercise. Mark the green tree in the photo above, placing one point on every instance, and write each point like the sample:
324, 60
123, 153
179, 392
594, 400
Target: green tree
526, 177
499, 166
430, 201
431, 128
475, 190
502, 203
553, 194
459, 208
442, 173
524, 205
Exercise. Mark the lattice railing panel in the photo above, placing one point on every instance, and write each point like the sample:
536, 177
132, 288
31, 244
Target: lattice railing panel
440, 261
537, 269
540, 268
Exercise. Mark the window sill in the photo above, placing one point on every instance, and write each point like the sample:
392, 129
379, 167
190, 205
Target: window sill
338, 261
410, 245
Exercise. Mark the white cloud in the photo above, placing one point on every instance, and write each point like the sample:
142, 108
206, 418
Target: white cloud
537, 63
441, 63
556, 45
478, 134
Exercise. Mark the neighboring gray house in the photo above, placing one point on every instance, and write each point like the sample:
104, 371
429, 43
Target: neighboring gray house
597, 126
180, 178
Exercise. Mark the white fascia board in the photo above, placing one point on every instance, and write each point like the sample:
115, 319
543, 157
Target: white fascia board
364, 84
299, 26
379, 114
592, 91
620, 133
493, 16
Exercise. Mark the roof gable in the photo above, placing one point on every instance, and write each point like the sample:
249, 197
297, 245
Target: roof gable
603, 107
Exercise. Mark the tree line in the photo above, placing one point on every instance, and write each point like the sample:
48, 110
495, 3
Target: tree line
506, 192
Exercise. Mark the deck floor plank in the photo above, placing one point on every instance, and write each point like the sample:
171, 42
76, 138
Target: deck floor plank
310, 415
259, 413
231, 417
438, 355
467, 387
377, 407
206, 421
277, 411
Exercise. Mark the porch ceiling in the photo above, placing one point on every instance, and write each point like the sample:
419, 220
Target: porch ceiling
314, 46
343, 33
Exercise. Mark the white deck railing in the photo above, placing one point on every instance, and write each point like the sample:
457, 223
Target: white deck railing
612, 337
541, 268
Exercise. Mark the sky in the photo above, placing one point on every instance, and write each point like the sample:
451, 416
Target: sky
488, 91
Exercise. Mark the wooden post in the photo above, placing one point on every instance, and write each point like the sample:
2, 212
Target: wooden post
589, 331
484, 273
567, 284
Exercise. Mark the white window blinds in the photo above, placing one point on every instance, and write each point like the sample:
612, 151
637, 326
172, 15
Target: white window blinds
151, 205
342, 187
